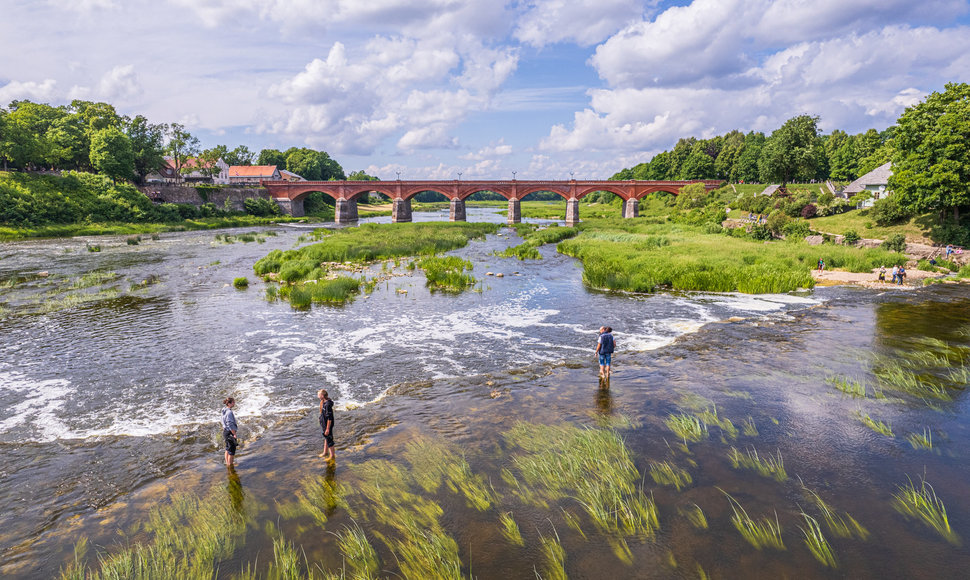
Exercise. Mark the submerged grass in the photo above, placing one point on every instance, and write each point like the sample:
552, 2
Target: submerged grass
184, 539
665, 473
686, 426
591, 466
876, 425
816, 542
922, 504
848, 386
695, 515
510, 529
922, 440
554, 556
842, 524
769, 466
762, 533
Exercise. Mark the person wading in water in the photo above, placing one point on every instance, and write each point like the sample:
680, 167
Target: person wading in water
604, 348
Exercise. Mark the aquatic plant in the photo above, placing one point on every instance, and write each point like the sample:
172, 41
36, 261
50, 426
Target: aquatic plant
842, 525
922, 504
554, 556
875, 425
318, 498
93, 247
922, 440
591, 466
535, 238
240, 282
447, 273
695, 515
710, 417
748, 428
133, 240
434, 462
510, 529
184, 539
358, 552
769, 466
762, 533
93, 279
848, 386
665, 473
816, 542
688, 427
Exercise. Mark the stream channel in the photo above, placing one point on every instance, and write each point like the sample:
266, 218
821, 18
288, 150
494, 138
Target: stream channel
111, 390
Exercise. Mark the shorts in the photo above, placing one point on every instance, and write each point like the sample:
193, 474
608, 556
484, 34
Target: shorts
329, 438
605, 359
230, 442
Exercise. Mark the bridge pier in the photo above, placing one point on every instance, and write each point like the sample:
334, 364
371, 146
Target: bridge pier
515, 212
345, 211
572, 212
400, 211
293, 207
457, 212
631, 208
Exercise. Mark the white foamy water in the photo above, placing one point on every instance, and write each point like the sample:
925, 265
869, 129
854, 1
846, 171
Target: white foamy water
167, 365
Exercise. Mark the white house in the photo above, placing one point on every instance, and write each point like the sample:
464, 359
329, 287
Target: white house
167, 173
874, 182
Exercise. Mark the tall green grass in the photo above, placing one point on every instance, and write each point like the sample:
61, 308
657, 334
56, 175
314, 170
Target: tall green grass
447, 273
641, 257
766, 466
761, 533
922, 504
535, 238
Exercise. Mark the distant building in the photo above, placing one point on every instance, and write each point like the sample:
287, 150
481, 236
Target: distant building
253, 174
290, 176
168, 174
875, 182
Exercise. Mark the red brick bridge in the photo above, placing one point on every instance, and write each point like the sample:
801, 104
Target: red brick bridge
290, 195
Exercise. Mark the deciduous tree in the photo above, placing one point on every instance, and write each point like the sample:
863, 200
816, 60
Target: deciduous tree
111, 153
181, 146
931, 164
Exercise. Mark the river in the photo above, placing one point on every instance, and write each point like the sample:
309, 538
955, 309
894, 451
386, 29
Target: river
112, 401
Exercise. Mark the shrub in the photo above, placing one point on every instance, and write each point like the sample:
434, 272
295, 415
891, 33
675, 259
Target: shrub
889, 210
133, 240
809, 211
895, 243
850, 237
241, 282
261, 207
796, 229
760, 232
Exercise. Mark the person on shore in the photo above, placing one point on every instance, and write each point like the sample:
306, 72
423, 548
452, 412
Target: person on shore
882, 273
901, 275
604, 348
895, 274
229, 430
949, 250
821, 264
326, 423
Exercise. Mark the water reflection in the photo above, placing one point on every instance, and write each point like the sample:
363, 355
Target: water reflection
237, 496
604, 398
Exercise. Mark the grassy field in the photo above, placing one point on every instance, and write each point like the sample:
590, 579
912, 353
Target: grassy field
557, 210
629, 255
916, 229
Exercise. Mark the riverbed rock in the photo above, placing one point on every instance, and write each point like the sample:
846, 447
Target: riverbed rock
489, 274
500, 275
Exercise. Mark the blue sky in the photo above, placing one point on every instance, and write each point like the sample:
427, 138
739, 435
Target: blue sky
431, 88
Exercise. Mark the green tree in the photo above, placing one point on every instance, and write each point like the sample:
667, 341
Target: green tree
111, 153
305, 163
791, 152
699, 164
361, 176
330, 170
931, 164
272, 157
692, 195
147, 145
241, 155
726, 158
181, 147
207, 162
746, 166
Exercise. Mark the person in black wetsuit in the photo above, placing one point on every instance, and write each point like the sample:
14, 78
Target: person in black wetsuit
229, 430
326, 423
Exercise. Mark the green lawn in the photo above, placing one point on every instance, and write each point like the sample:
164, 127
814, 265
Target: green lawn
916, 230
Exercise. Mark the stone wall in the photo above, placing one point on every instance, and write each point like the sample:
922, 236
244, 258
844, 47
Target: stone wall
169, 193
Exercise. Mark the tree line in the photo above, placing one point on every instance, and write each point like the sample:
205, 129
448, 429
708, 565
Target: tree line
92, 137
795, 152
929, 148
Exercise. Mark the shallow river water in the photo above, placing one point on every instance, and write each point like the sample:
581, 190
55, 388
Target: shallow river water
110, 403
